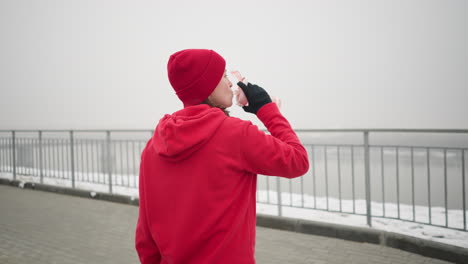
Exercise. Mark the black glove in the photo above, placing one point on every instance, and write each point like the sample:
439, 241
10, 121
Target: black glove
256, 96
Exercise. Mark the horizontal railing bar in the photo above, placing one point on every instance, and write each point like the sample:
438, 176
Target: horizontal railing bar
384, 130
418, 147
79, 130
380, 130
385, 146
308, 144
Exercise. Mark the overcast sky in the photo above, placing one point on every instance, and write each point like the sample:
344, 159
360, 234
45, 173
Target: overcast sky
101, 64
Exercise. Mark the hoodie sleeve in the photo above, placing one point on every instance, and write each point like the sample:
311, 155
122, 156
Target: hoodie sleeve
146, 247
278, 154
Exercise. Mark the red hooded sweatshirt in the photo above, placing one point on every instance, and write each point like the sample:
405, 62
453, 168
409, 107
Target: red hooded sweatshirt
198, 179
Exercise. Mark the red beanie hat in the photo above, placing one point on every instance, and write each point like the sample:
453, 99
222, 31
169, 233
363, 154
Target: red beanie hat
195, 73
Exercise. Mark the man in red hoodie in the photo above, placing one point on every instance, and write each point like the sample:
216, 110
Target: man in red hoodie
198, 173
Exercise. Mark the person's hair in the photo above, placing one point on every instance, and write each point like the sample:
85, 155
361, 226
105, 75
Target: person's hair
208, 102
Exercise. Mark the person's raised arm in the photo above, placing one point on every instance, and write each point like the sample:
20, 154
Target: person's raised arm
278, 154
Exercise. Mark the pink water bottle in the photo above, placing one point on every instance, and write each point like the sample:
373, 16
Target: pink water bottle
241, 99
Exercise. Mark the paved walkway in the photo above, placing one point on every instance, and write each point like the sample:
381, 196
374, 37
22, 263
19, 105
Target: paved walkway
41, 227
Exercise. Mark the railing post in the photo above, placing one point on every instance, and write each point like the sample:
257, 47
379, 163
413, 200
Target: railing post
41, 169
278, 194
72, 158
464, 189
108, 160
367, 175
13, 139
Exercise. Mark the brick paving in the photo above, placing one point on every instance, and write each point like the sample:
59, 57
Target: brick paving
41, 227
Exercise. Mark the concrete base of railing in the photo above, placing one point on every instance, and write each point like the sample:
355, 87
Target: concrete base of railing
359, 234
117, 198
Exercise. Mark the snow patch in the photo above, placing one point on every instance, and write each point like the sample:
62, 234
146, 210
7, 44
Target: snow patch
21, 184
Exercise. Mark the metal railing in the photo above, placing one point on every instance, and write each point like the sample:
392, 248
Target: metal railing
415, 183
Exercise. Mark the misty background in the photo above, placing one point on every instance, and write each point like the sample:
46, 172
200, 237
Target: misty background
335, 64
101, 64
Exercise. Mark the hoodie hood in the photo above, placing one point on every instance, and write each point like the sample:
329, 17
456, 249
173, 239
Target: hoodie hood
179, 135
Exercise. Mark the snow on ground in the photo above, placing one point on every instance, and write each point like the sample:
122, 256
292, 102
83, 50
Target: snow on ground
298, 206
434, 233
